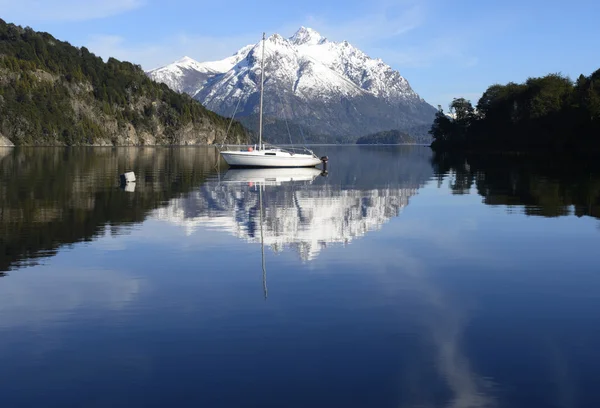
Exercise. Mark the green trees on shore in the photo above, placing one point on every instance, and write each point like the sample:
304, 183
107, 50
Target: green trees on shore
54, 93
551, 113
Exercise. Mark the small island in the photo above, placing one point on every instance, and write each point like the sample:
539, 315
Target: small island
386, 137
551, 114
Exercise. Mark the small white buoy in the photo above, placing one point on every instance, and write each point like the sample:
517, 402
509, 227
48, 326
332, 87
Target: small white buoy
128, 177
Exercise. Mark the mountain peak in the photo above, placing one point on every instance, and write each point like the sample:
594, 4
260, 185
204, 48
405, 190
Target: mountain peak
185, 59
306, 35
276, 38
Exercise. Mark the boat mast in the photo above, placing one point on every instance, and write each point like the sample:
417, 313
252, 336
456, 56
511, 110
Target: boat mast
262, 79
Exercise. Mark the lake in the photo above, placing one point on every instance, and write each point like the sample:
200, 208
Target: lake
397, 279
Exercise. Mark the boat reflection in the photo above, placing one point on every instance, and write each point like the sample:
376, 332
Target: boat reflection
270, 176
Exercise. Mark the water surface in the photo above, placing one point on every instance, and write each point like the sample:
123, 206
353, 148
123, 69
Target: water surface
396, 280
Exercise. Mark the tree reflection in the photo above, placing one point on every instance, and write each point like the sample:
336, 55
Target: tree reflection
540, 185
54, 196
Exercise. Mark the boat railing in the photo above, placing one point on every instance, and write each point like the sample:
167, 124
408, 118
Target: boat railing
245, 147
293, 150
236, 147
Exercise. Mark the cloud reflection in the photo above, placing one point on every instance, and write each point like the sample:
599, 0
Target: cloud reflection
37, 296
406, 276
444, 319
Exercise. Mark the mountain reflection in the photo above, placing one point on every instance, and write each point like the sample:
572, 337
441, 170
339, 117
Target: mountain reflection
303, 210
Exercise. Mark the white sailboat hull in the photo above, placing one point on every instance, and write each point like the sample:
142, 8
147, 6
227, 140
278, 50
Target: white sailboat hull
266, 158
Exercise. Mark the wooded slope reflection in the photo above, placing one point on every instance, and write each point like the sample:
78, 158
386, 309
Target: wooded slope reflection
56, 196
541, 185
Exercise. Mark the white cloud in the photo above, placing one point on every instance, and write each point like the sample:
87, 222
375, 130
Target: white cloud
387, 22
396, 34
154, 55
426, 54
115, 46
65, 10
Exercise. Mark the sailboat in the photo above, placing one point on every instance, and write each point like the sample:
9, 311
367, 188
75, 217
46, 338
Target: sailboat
269, 156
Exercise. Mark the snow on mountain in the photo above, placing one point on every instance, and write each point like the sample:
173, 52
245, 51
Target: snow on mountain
188, 75
307, 36
330, 88
286, 70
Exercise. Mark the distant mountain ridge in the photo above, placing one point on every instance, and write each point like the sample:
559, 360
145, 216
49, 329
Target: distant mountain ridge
331, 89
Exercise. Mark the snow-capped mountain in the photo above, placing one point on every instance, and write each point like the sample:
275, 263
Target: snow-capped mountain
188, 75
327, 87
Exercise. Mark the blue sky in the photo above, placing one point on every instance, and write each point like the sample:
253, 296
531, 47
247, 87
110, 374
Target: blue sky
445, 49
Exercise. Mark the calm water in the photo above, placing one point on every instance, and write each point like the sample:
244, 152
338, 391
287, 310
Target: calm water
397, 280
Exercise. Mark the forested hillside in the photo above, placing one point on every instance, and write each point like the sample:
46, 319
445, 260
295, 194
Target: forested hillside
547, 114
52, 93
